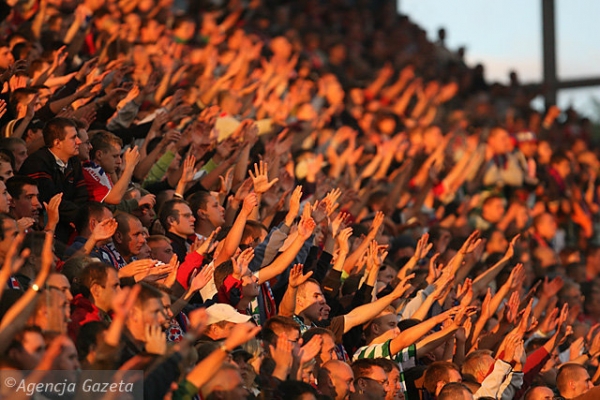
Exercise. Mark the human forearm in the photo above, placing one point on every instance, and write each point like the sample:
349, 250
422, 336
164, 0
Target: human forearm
412, 335
282, 262
366, 312
431, 342
115, 195
233, 239
288, 302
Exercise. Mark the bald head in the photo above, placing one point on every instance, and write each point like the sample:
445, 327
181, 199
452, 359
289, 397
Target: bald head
573, 380
539, 393
336, 380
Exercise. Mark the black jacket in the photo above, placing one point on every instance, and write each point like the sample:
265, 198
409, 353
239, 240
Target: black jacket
42, 167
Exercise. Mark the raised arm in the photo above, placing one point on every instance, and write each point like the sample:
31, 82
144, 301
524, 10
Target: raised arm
232, 241
280, 264
367, 312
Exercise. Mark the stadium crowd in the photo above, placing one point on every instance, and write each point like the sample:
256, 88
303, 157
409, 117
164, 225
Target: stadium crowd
287, 200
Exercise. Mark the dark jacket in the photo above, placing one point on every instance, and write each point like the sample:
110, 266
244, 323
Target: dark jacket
42, 167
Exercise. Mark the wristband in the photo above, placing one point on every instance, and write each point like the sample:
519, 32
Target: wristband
224, 348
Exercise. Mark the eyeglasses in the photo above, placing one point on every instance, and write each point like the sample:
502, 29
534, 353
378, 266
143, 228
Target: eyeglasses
383, 382
63, 289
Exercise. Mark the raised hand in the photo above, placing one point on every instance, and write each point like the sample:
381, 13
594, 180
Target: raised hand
306, 228
189, 170
104, 230
156, 340
13, 261
551, 288
338, 223
260, 179
510, 252
240, 334
169, 281
205, 246
201, 279
52, 211
295, 203
310, 350
242, 262
319, 211
282, 355
331, 200
511, 311
136, 267
243, 191
402, 287
376, 224
250, 202
423, 247
226, 181
472, 242
297, 277
465, 292
342, 240
123, 302
149, 200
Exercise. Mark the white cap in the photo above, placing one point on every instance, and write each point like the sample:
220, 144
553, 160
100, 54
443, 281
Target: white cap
224, 312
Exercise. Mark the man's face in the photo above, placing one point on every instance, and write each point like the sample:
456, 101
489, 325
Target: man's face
376, 384
161, 250
582, 383
563, 167
250, 288
6, 58
153, 313
386, 275
183, 224
6, 171
453, 376
493, 210
69, 147
60, 282
232, 385
67, 359
217, 332
5, 198
312, 302
134, 240
214, 213
387, 323
327, 349
85, 147
499, 141
546, 226
109, 160
28, 203
497, 243
33, 348
166, 302
151, 32
20, 153
394, 392
342, 381
103, 296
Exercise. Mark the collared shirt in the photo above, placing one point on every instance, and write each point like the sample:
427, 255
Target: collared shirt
61, 164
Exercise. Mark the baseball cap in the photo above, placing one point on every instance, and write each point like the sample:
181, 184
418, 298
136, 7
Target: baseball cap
224, 312
526, 136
